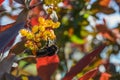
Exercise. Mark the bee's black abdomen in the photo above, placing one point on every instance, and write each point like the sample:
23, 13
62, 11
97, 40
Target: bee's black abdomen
52, 50
47, 51
42, 52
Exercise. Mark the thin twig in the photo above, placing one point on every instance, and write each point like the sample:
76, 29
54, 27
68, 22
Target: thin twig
33, 6
30, 56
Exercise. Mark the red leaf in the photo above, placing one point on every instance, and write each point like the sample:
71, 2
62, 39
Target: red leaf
105, 76
67, 4
1, 1
37, 9
89, 74
109, 36
34, 21
107, 33
83, 63
116, 32
101, 28
46, 66
104, 2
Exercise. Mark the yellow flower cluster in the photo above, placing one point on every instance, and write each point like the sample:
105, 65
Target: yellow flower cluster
53, 2
43, 31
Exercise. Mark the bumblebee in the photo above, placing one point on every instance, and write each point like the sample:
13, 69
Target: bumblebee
47, 51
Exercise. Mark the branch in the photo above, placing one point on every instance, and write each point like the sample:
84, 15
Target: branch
35, 5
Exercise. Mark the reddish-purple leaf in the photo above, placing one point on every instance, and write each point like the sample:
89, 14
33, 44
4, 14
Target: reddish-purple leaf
83, 63
14, 17
106, 10
5, 27
18, 48
89, 74
7, 47
10, 3
20, 1
6, 64
22, 16
96, 7
9, 34
2, 9
118, 3
8, 76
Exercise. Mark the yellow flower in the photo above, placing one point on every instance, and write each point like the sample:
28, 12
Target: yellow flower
41, 28
30, 35
29, 42
36, 39
35, 28
31, 45
49, 10
23, 32
48, 23
37, 35
26, 45
53, 2
49, 34
45, 37
41, 34
46, 32
56, 25
52, 35
41, 20
35, 47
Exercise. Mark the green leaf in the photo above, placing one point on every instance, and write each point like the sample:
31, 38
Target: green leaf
77, 40
84, 33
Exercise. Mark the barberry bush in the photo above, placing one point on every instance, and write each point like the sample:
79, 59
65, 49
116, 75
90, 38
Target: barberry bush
59, 39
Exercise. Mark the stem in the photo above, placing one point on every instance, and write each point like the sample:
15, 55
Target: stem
35, 5
31, 56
